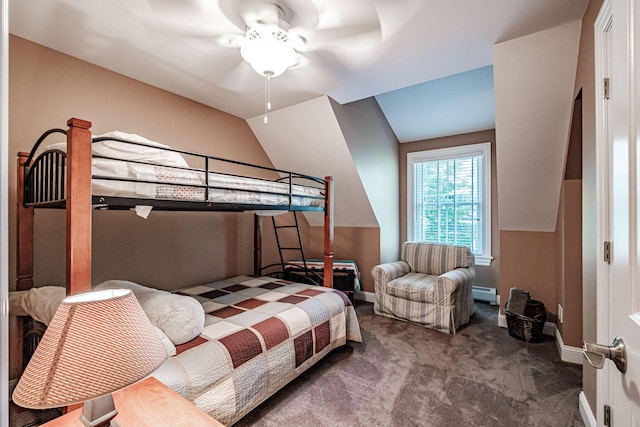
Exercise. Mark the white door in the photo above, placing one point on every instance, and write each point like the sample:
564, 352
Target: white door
617, 51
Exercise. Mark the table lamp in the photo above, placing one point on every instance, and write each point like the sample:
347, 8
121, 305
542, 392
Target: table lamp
97, 343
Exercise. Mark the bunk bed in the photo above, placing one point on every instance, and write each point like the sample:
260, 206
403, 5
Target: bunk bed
87, 173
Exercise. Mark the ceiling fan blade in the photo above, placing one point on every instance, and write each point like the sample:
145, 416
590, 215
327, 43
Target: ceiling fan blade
316, 69
243, 13
240, 78
231, 40
369, 32
194, 18
170, 11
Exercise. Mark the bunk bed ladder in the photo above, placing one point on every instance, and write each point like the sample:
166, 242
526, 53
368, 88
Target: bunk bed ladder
281, 248
308, 274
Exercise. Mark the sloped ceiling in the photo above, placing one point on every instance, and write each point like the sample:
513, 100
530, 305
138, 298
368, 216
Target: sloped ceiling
174, 45
452, 105
289, 143
534, 84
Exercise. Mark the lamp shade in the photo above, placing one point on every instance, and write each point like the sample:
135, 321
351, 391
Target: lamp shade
97, 343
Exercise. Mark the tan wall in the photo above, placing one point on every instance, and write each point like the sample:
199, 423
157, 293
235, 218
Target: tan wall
528, 261
348, 244
486, 276
167, 250
569, 262
571, 301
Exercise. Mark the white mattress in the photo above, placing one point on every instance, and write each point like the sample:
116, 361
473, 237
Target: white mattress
169, 181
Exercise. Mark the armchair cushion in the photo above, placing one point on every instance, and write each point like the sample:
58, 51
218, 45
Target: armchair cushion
434, 258
413, 286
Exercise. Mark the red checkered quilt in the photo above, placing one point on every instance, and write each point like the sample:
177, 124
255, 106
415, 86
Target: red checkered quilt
259, 334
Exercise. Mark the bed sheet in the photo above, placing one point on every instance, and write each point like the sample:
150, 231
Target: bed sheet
169, 183
259, 334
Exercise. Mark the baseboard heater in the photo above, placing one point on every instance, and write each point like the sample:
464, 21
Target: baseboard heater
482, 293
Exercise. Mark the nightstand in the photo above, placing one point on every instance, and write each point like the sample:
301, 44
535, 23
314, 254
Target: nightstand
147, 403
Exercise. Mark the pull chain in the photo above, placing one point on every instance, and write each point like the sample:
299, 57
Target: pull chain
267, 95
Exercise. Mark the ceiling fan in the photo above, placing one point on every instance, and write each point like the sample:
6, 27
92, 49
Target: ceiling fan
275, 33
316, 38
347, 30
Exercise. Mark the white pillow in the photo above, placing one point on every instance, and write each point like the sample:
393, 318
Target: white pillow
39, 303
152, 151
15, 303
168, 345
180, 317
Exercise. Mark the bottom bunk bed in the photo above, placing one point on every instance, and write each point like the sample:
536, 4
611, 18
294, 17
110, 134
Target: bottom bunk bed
238, 340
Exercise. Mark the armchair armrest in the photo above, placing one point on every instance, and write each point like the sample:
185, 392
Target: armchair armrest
384, 273
449, 285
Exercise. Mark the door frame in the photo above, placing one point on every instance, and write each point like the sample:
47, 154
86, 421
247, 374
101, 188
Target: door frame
602, 26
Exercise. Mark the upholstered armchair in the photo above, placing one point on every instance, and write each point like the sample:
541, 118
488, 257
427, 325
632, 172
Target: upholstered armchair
430, 285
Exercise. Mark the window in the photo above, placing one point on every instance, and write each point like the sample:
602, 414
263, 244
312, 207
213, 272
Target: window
449, 198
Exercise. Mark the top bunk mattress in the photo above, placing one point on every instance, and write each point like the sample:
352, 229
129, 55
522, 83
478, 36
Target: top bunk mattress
133, 167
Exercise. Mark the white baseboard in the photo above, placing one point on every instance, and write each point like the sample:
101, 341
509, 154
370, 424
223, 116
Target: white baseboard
365, 296
588, 418
567, 353
502, 320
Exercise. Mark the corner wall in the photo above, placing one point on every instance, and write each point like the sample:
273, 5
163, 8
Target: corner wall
309, 137
374, 149
534, 81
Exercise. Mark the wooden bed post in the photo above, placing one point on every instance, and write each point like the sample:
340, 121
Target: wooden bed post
78, 206
328, 233
24, 244
24, 261
257, 245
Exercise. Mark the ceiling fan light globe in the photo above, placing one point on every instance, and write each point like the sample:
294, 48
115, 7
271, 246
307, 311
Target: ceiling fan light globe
267, 52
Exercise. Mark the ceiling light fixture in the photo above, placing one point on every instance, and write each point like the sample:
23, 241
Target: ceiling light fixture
269, 50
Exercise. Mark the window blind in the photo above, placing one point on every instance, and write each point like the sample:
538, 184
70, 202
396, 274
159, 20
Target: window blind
448, 201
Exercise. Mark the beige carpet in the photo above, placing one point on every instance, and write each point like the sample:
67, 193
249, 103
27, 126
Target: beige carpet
406, 375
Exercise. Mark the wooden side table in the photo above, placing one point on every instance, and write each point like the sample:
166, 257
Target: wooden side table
147, 403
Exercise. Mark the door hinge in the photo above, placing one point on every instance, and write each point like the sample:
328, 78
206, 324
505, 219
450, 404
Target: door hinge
607, 252
607, 415
605, 88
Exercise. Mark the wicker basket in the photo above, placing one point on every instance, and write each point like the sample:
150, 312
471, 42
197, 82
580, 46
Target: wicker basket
527, 327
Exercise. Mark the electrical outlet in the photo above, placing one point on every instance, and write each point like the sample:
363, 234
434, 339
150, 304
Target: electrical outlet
560, 314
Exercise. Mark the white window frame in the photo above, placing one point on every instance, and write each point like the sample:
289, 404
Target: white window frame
483, 149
